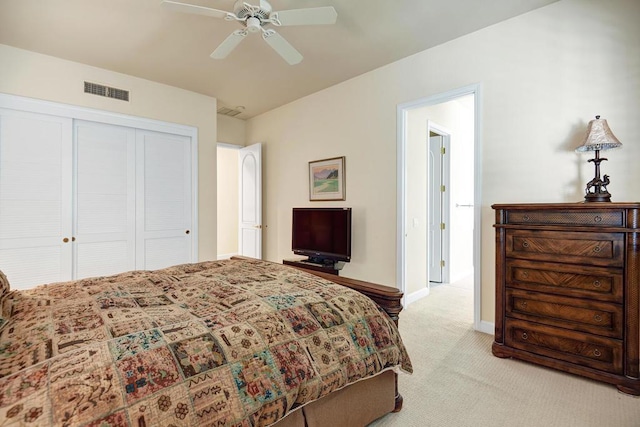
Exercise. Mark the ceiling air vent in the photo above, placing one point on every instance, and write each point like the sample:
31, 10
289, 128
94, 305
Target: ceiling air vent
109, 92
226, 111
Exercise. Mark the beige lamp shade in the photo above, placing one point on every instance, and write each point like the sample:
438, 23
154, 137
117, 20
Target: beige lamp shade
599, 137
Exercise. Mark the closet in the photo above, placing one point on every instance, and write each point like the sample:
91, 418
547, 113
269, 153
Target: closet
82, 198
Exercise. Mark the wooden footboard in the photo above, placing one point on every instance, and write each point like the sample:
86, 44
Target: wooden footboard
390, 299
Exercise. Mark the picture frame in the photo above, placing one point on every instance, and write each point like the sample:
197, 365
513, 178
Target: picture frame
327, 179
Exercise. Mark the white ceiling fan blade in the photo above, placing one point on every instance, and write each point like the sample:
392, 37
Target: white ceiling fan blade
191, 8
280, 45
229, 44
309, 16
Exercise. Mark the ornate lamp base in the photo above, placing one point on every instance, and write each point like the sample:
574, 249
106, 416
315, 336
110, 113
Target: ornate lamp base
598, 197
596, 190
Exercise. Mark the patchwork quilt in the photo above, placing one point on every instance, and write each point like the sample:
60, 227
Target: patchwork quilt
224, 343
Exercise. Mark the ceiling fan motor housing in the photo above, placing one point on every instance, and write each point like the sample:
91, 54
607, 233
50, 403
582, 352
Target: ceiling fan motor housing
243, 9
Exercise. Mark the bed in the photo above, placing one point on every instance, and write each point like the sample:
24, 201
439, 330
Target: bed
239, 342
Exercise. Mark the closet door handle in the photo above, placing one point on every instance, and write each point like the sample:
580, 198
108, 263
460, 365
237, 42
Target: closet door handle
66, 240
187, 232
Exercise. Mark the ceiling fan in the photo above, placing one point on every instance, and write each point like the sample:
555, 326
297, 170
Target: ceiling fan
255, 18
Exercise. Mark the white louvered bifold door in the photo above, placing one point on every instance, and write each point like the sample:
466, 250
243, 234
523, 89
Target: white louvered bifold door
104, 199
35, 198
163, 225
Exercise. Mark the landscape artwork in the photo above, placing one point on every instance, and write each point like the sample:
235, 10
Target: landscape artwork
326, 179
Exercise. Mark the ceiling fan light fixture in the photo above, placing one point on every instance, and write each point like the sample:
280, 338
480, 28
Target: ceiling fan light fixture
253, 25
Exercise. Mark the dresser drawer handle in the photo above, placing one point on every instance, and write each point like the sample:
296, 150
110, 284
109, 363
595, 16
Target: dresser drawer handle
597, 353
525, 244
598, 218
525, 336
596, 283
525, 218
597, 318
523, 304
525, 274
597, 249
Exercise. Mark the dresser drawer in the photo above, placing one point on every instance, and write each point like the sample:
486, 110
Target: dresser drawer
603, 249
604, 354
597, 218
600, 283
600, 318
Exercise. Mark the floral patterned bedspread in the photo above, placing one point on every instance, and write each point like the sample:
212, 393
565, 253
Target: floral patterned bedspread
224, 343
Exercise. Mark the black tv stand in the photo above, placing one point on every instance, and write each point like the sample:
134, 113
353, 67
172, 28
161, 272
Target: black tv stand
320, 261
308, 264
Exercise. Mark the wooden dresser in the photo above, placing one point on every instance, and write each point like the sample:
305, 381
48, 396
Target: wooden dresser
567, 288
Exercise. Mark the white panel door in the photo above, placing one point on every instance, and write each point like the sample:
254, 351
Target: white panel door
435, 209
250, 200
36, 171
164, 201
104, 199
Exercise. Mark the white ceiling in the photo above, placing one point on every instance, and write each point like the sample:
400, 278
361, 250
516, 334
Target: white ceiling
143, 39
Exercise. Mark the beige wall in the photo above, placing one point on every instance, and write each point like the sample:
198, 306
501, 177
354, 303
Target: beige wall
44, 77
231, 130
227, 201
544, 75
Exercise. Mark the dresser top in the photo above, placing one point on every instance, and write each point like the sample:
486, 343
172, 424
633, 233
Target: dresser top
568, 206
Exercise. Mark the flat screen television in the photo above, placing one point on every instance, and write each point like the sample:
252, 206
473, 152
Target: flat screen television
322, 234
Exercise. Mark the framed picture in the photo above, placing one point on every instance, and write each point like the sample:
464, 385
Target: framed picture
326, 179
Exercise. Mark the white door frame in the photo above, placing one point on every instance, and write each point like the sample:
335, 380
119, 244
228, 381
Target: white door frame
402, 110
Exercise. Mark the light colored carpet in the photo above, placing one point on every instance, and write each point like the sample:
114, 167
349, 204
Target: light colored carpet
458, 382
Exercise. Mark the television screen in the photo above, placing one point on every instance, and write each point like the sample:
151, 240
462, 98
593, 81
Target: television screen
322, 234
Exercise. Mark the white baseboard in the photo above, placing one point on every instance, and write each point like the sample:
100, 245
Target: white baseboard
225, 256
415, 296
486, 327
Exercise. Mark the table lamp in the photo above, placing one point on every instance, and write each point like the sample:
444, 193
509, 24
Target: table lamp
599, 137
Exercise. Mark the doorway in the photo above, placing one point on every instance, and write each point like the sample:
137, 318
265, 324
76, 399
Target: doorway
455, 115
239, 202
227, 178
